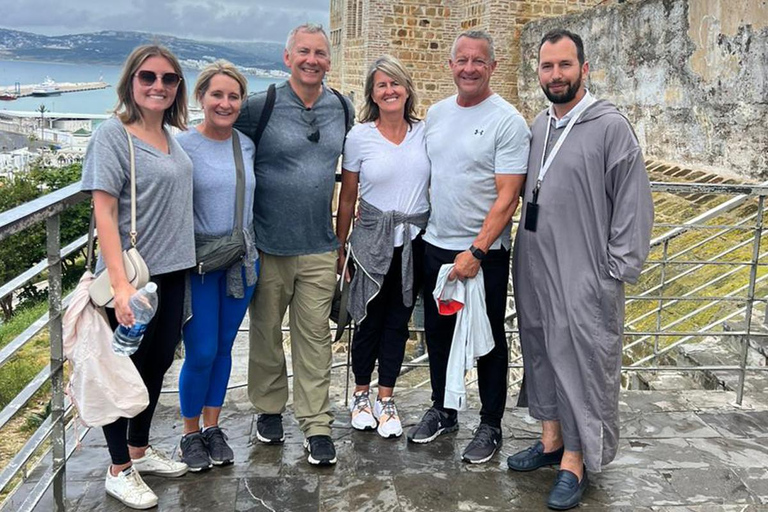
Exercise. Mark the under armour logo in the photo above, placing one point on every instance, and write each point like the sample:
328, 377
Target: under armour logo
479, 132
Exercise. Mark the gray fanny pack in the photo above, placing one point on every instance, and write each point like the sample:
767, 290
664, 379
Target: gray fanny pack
221, 252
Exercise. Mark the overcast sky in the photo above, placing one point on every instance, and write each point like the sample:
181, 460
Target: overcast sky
245, 20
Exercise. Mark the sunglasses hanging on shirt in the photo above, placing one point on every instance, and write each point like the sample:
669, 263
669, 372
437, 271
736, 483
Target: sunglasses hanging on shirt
313, 131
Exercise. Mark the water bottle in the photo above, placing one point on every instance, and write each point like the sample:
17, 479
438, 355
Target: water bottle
143, 304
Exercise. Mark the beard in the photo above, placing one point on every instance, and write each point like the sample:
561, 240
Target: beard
567, 95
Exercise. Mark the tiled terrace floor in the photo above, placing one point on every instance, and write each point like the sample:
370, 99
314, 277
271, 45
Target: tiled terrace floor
679, 451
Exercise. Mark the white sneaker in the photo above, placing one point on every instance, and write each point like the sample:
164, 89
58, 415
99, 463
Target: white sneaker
385, 411
155, 462
362, 417
128, 488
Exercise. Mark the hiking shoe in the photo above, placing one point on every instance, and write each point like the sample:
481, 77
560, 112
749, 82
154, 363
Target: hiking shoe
362, 416
269, 428
321, 450
385, 411
129, 489
193, 452
218, 449
432, 424
155, 462
482, 447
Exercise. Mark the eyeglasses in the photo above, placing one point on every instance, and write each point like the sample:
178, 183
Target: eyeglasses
148, 78
313, 131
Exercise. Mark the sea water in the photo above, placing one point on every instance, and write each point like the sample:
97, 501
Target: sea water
101, 101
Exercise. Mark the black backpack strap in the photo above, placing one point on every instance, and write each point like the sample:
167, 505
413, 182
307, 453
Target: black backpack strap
345, 107
266, 113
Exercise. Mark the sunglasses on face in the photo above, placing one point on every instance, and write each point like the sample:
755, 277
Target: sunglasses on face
313, 131
147, 78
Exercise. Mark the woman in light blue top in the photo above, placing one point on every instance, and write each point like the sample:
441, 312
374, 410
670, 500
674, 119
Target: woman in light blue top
219, 298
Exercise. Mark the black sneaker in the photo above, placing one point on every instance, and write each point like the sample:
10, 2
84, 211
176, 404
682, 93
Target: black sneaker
193, 452
269, 428
321, 450
218, 449
432, 424
486, 442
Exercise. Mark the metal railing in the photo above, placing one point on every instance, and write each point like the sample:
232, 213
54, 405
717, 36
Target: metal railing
680, 256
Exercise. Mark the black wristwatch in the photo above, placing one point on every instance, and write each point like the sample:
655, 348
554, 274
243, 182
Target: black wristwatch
477, 253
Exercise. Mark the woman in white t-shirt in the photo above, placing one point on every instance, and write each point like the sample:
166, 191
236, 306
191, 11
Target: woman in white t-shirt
385, 156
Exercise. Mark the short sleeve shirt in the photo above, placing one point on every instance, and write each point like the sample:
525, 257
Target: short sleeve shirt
164, 221
393, 177
468, 147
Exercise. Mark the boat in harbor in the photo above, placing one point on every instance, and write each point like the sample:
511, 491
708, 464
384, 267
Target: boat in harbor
47, 88
7, 96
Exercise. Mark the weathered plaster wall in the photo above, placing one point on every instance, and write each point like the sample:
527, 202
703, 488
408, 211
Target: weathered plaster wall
691, 75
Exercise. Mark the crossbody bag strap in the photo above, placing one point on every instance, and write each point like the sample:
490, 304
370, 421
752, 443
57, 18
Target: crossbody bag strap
132, 153
266, 113
240, 192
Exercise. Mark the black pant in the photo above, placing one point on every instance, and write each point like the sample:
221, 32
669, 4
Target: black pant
384, 331
152, 359
492, 368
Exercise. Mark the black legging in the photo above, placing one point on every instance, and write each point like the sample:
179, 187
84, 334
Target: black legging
152, 359
383, 333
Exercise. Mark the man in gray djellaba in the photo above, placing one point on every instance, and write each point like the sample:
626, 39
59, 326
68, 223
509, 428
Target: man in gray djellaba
584, 232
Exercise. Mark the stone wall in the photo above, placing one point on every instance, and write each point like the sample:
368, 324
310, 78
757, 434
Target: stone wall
691, 75
420, 33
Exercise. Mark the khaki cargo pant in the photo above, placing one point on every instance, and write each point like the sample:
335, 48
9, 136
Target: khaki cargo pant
305, 284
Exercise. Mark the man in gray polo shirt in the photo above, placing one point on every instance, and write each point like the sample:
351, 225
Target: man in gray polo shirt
295, 165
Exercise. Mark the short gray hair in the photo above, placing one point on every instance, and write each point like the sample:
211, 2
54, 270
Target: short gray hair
475, 34
309, 28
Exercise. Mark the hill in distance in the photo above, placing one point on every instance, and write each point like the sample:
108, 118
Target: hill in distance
111, 47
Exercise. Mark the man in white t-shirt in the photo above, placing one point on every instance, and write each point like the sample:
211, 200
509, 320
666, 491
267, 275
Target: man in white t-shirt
478, 145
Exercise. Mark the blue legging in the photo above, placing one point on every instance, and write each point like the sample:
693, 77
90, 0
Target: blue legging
208, 340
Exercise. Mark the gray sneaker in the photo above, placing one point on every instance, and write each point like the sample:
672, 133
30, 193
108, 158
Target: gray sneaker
218, 449
193, 452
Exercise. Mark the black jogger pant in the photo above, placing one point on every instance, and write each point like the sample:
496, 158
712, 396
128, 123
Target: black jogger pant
492, 369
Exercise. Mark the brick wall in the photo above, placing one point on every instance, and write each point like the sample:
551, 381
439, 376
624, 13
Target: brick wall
420, 33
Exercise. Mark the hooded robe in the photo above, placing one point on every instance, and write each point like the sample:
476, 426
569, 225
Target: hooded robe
592, 236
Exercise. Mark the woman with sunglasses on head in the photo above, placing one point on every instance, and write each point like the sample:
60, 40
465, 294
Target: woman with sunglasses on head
151, 96
219, 298
385, 156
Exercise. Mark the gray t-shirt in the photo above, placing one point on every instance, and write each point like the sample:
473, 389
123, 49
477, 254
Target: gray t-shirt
215, 181
296, 177
163, 195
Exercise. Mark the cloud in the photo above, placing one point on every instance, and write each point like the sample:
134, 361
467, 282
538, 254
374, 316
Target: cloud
248, 20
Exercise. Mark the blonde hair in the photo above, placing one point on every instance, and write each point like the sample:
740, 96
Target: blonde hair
219, 67
393, 68
127, 110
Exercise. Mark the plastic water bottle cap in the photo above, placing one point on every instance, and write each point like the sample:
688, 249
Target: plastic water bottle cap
151, 287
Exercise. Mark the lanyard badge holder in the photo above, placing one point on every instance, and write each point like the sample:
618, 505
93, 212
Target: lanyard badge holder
532, 207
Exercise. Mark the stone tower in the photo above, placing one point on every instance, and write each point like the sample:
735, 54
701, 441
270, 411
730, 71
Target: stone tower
420, 34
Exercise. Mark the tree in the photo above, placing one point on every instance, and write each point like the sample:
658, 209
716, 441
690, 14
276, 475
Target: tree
22, 250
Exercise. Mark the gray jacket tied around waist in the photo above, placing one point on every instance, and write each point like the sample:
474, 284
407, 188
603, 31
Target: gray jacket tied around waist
371, 245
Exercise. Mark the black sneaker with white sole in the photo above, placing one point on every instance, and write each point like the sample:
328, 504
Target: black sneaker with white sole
322, 452
269, 428
434, 423
194, 453
486, 442
219, 451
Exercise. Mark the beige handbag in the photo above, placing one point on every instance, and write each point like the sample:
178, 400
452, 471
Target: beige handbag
136, 270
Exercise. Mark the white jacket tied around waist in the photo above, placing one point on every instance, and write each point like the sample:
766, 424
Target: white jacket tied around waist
472, 337
103, 385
